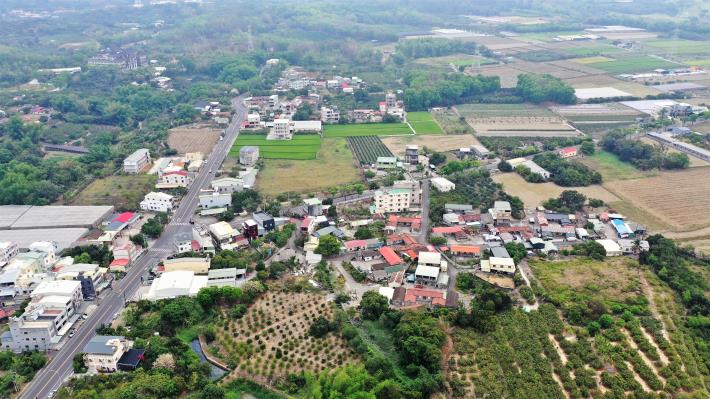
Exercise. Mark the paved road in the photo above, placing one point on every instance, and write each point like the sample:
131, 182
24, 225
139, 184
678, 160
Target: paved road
60, 367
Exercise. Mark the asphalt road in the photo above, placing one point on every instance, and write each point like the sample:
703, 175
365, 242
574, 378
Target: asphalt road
59, 368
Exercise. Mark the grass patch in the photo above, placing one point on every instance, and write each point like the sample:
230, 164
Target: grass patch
592, 60
705, 63
332, 166
612, 168
590, 51
301, 147
367, 129
633, 64
680, 46
188, 334
424, 123
124, 192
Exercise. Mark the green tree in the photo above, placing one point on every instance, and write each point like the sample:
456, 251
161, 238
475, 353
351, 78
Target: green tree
328, 246
505, 167
588, 148
363, 233
373, 305
320, 327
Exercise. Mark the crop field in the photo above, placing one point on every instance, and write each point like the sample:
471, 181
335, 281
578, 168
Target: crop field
705, 63
592, 60
123, 192
367, 129
334, 166
591, 81
272, 339
502, 110
679, 47
193, 139
423, 123
679, 198
300, 147
633, 64
522, 126
457, 60
594, 50
397, 145
534, 194
368, 148
612, 168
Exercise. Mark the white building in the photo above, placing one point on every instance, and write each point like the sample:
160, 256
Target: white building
494, 264
535, 168
442, 184
223, 234
215, 200
137, 161
429, 259
426, 274
329, 115
175, 284
412, 185
281, 130
102, 353
248, 155
392, 201
480, 151
8, 250
174, 179
386, 162
70, 290
158, 202
611, 247
227, 185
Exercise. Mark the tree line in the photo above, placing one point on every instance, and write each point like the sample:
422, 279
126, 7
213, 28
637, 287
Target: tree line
540, 88
425, 91
642, 155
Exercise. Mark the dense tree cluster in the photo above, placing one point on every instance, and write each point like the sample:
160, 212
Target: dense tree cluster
567, 173
18, 369
591, 249
569, 201
642, 155
540, 88
488, 301
472, 187
434, 47
425, 91
513, 147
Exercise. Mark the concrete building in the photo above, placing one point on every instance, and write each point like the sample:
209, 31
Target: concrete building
329, 114
426, 274
442, 184
281, 130
480, 151
611, 247
103, 352
386, 162
92, 278
535, 168
501, 265
157, 202
195, 265
136, 162
175, 284
8, 250
227, 185
314, 206
265, 221
432, 259
69, 289
411, 154
225, 277
215, 200
36, 329
123, 255
414, 187
392, 201
248, 155
183, 242
223, 234
174, 179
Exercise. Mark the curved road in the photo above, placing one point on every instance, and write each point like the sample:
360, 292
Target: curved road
59, 368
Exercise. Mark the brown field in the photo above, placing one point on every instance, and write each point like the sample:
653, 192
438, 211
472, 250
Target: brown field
678, 198
193, 139
508, 76
123, 192
702, 127
500, 43
435, 143
586, 82
272, 339
534, 194
529, 126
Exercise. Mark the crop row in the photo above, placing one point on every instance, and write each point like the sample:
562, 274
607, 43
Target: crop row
368, 148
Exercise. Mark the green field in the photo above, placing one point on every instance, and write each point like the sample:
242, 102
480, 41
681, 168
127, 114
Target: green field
367, 129
494, 110
680, 46
123, 192
612, 168
300, 147
633, 64
590, 51
705, 63
423, 123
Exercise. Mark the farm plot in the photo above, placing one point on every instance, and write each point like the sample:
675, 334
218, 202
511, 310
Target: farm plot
522, 126
633, 64
592, 59
679, 47
368, 148
193, 139
679, 198
334, 166
494, 110
593, 49
534, 194
300, 147
367, 129
272, 339
423, 123
592, 81
457, 60
397, 145
508, 76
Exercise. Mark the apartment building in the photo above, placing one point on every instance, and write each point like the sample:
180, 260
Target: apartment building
137, 161
392, 201
157, 202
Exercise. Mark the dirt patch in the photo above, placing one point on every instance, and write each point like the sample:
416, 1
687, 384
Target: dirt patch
679, 198
534, 194
435, 143
523, 126
558, 348
195, 138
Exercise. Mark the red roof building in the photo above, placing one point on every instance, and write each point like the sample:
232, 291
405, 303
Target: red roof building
447, 230
390, 256
355, 245
465, 250
124, 217
567, 152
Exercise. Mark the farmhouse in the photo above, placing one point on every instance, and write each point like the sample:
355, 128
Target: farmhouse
493, 264
281, 130
480, 151
386, 162
411, 154
248, 155
535, 168
465, 250
109, 353
611, 247
567, 152
390, 256
442, 184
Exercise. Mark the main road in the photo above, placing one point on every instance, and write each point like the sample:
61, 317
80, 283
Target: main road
59, 367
